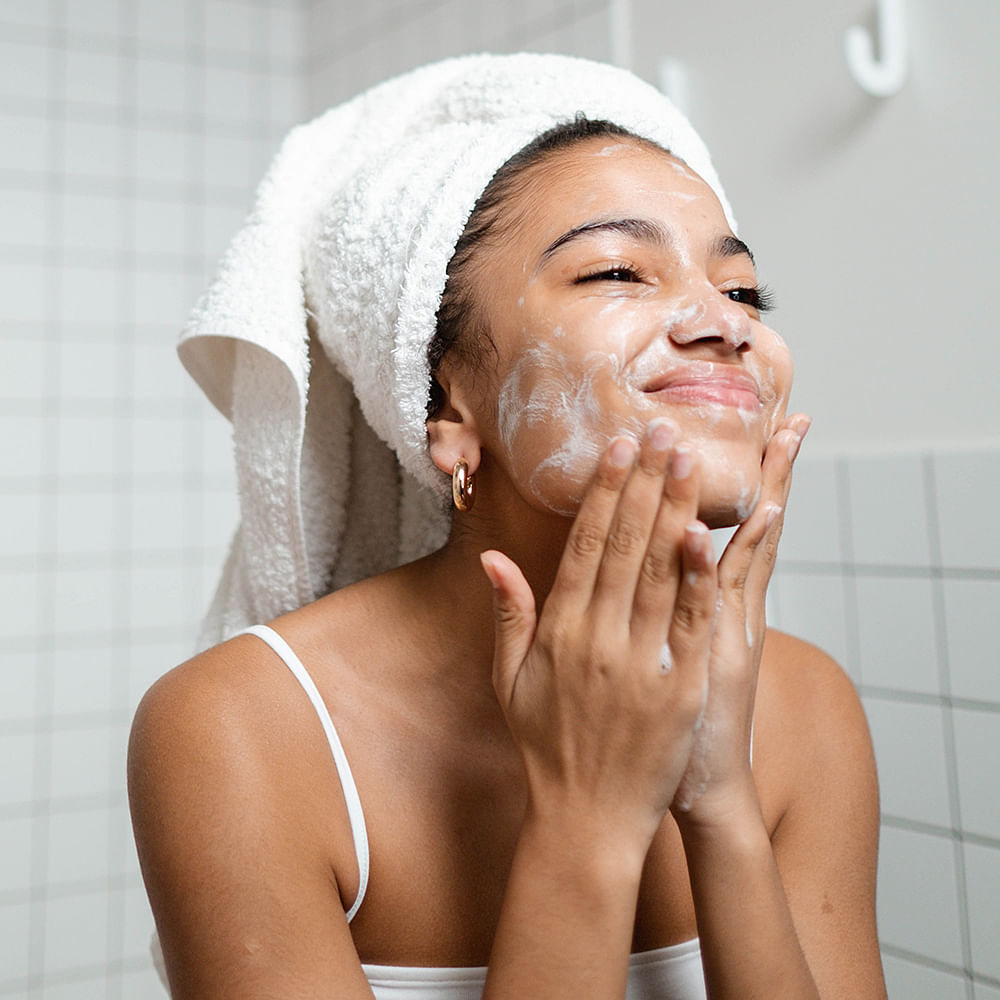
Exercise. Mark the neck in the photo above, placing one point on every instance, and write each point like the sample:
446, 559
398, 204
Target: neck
452, 588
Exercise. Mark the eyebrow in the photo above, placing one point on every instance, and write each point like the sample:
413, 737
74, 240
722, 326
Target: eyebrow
646, 231
731, 246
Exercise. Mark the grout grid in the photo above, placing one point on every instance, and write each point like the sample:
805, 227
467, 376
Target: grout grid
171, 170
969, 968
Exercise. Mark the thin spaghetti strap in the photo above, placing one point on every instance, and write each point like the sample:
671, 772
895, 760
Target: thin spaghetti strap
354, 811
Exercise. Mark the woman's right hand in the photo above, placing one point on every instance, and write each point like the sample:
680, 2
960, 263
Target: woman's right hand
604, 728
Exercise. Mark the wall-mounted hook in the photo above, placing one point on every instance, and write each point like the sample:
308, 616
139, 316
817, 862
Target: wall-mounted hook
884, 75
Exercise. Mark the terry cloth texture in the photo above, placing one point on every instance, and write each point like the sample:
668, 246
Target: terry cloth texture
312, 339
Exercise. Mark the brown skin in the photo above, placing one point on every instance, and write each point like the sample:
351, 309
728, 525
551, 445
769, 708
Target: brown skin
513, 819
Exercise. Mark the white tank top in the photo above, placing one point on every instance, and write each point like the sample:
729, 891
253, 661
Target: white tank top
671, 973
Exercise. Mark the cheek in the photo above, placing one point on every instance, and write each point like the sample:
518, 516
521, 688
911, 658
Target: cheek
556, 416
778, 370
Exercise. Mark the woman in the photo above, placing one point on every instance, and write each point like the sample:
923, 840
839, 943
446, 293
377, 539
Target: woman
573, 756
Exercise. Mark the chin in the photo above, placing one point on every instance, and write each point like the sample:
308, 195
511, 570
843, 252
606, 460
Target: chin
728, 497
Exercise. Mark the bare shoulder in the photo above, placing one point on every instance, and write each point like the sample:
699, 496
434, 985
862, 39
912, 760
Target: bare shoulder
811, 736
236, 820
210, 709
819, 791
805, 696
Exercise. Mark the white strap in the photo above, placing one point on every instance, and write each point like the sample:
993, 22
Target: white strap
354, 811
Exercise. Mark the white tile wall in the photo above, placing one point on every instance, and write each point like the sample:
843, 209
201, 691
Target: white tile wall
918, 901
983, 864
909, 742
909, 981
977, 737
888, 510
968, 484
896, 633
128, 153
108, 124
921, 570
973, 650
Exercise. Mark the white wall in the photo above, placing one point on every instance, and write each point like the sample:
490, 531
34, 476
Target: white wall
131, 135
874, 220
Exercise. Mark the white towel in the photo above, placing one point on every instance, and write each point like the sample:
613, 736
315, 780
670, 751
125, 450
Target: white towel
312, 338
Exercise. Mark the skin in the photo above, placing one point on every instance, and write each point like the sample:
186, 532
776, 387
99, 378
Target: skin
541, 796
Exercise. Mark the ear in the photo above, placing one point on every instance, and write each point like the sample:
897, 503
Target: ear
452, 433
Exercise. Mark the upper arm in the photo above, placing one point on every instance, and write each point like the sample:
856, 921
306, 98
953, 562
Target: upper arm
234, 860
818, 752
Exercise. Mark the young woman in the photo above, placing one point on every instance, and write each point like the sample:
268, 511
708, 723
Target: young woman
561, 755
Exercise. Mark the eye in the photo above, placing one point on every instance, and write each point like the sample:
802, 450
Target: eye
615, 272
759, 298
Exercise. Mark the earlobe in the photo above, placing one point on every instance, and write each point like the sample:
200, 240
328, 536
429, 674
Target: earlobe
452, 435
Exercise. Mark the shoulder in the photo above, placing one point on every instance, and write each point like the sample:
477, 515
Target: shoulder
224, 749
243, 837
214, 702
810, 727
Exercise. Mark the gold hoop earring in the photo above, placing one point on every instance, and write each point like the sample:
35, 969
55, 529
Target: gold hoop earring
463, 486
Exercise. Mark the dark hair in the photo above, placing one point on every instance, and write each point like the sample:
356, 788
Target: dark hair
461, 327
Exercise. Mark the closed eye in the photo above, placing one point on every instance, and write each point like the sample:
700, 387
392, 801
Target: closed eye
617, 272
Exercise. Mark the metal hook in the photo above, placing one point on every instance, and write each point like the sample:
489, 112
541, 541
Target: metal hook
884, 76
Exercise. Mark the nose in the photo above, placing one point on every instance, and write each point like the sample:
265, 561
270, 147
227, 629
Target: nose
711, 319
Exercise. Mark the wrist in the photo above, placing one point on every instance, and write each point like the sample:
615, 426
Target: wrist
734, 817
573, 844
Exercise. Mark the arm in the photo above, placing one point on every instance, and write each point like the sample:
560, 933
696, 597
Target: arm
246, 902
605, 732
794, 914
789, 914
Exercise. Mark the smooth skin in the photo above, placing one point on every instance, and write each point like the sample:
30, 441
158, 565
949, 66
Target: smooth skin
541, 796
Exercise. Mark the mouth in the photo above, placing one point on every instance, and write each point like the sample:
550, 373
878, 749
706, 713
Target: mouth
702, 382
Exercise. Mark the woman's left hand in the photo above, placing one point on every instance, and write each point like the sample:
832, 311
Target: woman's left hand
718, 780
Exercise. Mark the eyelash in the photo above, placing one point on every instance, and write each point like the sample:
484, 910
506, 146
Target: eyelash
760, 298
612, 274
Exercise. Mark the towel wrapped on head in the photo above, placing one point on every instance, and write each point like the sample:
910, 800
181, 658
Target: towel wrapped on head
313, 337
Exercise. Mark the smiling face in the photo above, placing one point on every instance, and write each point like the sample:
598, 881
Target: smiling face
619, 294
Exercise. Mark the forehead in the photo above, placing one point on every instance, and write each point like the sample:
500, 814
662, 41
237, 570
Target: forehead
610, 176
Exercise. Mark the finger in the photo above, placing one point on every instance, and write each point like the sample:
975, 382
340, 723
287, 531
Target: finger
691, 625
763, 562
748, 562
584, 549
514, 620
660, 573
633, 523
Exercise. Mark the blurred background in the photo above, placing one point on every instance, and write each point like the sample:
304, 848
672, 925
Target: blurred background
132, 134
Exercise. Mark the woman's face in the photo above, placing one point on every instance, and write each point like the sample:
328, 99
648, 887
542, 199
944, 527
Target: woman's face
619, 294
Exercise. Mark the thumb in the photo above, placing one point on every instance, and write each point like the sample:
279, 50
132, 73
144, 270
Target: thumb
514, 620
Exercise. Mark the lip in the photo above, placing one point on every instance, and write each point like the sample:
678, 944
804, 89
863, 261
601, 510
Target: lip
707, 382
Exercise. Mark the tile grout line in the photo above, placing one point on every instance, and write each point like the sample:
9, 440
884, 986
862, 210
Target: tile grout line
848, 575
947, 716
48, 562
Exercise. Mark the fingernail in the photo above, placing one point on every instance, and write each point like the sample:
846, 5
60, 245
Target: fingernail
793, 448
695, 534
773, 510
489, 569
661, 433
681, 463
622, 452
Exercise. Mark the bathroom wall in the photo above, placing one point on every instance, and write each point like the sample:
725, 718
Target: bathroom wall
886, 565
872, 219
131, 135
